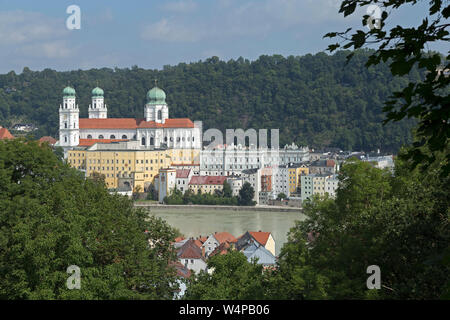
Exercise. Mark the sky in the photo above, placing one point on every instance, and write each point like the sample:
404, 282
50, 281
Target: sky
154, 33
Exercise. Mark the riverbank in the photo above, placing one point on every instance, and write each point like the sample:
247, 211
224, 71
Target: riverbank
142, 204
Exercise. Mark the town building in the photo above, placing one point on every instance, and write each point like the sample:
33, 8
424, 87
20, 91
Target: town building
155, 130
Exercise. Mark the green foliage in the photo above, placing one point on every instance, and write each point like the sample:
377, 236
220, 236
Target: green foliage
281, 196
177, 197
405, 49
314, 100
233, 278
246, 195
51, 218
398, 222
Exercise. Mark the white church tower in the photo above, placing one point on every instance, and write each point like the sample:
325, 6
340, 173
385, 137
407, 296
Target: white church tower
69, 114
98, 110
156, 108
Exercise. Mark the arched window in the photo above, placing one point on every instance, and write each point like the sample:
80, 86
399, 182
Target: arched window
101, 137
159, 114
134, 137
165, 139
65, 125
143, 141
89, 136
152, 141
124, 137
112, 136
65, 139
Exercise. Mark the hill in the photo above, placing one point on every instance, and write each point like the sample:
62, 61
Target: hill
314, 100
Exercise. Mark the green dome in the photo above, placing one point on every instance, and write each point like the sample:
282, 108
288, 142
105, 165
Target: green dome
97, 92
69, 92
156, 96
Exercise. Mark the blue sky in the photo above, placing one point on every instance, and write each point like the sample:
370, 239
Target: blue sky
155, 33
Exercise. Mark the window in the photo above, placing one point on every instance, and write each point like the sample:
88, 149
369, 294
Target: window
65, 125
89, 136
112, 136
101, 137
143, 141
124, 137
152, 141
159, 115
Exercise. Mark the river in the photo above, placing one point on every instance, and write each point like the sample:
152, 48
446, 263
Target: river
194, 222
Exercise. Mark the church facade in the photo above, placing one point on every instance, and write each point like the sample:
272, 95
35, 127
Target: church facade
155, 131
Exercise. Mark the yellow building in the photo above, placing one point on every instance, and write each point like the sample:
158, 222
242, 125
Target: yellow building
295, 173
125, 167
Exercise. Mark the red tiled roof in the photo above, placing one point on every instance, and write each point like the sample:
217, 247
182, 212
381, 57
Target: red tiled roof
330, 163
208, 180
48, 139
183, 173
224, 237
5, 134
90, 142
221, 249
261, 237
190, 250
130, 123
179, 239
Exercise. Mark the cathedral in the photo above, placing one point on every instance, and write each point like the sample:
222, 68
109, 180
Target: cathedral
155, 131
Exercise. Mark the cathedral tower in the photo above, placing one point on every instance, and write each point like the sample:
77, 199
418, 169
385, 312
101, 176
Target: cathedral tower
156, 108
69, 132
98, 110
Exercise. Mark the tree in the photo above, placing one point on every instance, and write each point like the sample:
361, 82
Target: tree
233, 278
226, 191
398, 222
281, 196
426, 99
52, 218
246, 195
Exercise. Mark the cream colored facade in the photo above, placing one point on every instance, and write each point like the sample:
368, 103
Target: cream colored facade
270, 244
205, 188
139, 165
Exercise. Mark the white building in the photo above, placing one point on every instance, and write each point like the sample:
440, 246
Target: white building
155, 130
229, 160
253, 176
280, 180
167, 182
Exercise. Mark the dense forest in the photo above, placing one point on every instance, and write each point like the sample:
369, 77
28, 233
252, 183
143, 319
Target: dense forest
314, 100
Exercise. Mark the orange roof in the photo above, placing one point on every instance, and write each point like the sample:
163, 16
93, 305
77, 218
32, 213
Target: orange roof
90, 142
179, 239
5, 134
129, 123
48, 139
221, 249
261, 237
224, 237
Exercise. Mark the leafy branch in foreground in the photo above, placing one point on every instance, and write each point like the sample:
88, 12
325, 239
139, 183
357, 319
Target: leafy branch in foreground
427, 100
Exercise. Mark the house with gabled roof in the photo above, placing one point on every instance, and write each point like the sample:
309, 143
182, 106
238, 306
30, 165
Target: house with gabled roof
191, 256
264, 238
215, 240
255, 251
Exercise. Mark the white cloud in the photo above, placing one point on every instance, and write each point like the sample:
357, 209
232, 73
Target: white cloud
170, 31
19, 27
